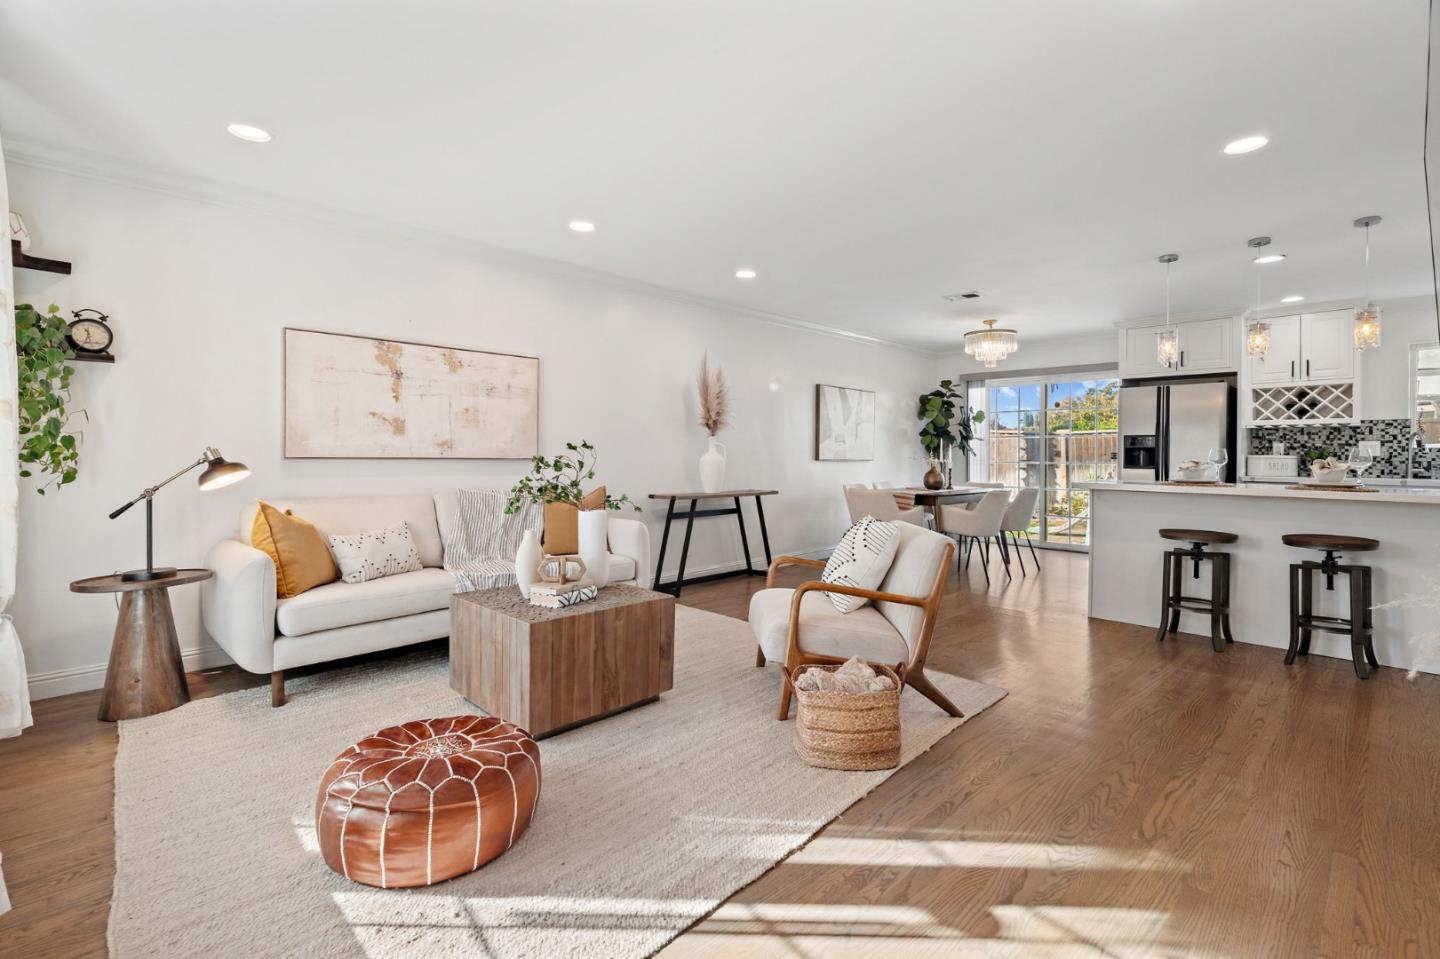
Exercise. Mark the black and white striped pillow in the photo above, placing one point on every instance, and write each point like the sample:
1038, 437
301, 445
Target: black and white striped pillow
861, 560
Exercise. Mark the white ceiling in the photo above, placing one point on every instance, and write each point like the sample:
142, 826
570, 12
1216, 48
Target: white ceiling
866, 158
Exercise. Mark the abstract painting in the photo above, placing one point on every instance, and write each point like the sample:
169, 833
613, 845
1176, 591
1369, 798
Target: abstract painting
844, 423
356, 396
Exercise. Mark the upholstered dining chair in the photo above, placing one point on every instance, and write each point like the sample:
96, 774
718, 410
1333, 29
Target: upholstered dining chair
880, 503
1017, 520
980, 523
801, 626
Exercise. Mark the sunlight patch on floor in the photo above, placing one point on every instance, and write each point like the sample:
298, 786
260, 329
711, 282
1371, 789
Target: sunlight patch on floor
839, 850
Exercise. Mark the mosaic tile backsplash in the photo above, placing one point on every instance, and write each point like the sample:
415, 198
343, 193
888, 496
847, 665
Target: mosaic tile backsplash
1394, 437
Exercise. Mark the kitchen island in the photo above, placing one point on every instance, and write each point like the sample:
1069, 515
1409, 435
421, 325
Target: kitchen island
1125, 560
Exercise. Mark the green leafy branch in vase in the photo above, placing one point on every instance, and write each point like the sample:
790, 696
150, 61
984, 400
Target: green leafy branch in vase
43, 361
557, 480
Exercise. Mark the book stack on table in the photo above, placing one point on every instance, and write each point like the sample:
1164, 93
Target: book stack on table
559, 597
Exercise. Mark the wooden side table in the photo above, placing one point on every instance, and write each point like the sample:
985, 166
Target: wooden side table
146, 675
548, 670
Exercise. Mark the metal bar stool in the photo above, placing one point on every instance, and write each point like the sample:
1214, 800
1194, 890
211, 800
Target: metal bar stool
1172, 597
1359, 625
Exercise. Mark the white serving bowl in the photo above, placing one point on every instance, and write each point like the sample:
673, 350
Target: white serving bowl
1336, 475
1193, 475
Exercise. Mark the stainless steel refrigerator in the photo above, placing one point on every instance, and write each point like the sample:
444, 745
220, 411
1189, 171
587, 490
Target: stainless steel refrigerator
1165, 422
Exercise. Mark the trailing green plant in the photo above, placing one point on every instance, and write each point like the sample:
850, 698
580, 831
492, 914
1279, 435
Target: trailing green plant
557, 480
43, 360
945, 421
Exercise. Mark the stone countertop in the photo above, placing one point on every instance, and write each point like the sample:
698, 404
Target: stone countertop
1416, 495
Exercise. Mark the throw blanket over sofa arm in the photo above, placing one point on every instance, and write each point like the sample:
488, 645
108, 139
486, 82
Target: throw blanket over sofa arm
237, 605
631, 538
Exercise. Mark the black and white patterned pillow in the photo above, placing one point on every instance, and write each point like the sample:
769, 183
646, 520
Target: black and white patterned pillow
861, 560
382, 552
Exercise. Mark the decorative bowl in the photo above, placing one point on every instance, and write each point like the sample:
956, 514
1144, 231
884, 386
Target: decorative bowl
1192, 474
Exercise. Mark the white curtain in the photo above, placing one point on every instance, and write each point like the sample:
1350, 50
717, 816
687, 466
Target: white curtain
14, 689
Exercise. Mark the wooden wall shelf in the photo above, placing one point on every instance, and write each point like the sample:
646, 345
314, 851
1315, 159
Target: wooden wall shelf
23, 261
94, 358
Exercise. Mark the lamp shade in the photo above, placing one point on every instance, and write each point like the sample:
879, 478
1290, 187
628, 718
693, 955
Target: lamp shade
221, 472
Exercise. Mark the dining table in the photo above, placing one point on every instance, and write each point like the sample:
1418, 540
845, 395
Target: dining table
933, 499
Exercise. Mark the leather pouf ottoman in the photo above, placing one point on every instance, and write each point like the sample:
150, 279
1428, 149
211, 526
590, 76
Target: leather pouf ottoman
427, 801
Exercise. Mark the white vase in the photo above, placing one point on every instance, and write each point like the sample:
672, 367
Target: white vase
527, 560
594, 549
712, 467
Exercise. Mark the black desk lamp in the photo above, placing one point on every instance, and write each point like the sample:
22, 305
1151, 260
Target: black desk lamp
218, 472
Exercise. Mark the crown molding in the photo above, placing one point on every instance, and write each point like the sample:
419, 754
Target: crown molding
184, 186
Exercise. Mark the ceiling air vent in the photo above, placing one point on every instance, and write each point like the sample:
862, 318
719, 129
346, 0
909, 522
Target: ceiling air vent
957, 297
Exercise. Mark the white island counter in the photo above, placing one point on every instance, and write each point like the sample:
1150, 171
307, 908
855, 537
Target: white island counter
1125, 559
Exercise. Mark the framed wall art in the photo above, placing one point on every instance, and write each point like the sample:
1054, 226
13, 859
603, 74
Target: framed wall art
363, 397
844, 423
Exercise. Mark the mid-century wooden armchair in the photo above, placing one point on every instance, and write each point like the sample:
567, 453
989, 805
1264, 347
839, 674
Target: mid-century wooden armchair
800, 626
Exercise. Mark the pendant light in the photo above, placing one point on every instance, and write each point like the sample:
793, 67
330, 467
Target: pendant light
1367, 318
990, 345
1167, 344
1257, 332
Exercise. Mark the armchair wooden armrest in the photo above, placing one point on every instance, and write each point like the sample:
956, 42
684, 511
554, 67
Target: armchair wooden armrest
874, 595
780, 561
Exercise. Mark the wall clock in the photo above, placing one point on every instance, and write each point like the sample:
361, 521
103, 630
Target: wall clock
91, 334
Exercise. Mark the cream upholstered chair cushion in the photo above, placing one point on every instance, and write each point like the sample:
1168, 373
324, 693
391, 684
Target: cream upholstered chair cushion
882, 632
349, 604
919, 558
824, 630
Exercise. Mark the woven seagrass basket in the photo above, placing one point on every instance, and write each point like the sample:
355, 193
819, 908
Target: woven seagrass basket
848, 730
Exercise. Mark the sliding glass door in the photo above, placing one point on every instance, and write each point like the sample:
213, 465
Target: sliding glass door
1050, 435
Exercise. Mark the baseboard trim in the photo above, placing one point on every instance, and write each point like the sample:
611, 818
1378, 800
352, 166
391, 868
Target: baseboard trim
756, 562
79, 679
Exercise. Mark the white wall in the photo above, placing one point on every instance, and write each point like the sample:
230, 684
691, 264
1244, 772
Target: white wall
1385, 372
199, 293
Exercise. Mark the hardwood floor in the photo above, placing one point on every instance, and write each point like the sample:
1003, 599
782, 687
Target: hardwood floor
1126, 799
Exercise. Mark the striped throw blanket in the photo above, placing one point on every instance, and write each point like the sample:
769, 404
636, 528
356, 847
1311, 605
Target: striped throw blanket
481, 541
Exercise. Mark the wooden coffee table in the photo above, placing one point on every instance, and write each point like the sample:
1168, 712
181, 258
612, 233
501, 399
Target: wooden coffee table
548, 670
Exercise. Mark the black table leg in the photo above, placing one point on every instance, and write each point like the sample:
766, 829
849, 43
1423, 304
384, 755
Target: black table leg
685, 548
764, 535
664, 539
744, 541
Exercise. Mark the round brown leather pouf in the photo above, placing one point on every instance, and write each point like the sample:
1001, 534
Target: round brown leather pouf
427, 801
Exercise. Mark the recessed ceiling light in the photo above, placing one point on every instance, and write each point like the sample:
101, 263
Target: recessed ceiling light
248, 133
1245, 145
745, 274
1269, 258
1292, 298
582, 226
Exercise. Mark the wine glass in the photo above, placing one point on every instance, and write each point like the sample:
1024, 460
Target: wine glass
1361, 459
1218, 457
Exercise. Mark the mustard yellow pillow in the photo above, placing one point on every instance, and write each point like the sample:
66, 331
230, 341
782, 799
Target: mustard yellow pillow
302, 560
562, 524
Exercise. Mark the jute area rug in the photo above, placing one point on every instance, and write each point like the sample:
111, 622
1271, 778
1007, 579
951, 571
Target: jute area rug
646, 821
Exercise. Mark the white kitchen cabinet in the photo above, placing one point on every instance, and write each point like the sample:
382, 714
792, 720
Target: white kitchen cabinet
1137, 352
1327, 346
1205, 346
1283, 362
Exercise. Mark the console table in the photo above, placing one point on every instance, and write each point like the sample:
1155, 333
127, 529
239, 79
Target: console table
692, 514
146, 674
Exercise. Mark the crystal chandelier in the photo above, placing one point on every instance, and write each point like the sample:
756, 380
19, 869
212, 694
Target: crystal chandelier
1367, 318
990, 345
1257, 332
1167, 344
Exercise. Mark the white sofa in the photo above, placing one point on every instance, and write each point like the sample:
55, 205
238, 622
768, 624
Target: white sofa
268, 635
